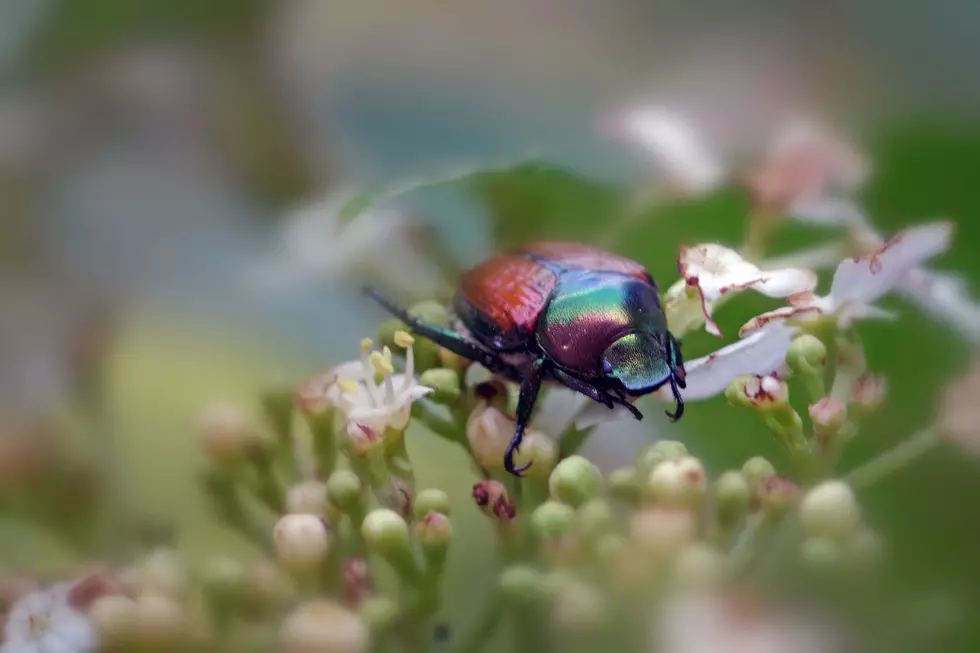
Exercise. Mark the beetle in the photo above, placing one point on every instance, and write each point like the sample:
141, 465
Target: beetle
566, 313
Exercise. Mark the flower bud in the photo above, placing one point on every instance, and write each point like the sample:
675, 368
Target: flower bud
225, 433
430, 312
163, 572
552, 519
864, 549
594, 518
322, 626
265, 587
223, 580
680, 482
302, 541
580, 607
653, 454
574, 481
828, 416
385, 532
820, 553
609, 548
307, 498
492, 498
345, 491
662, 531
761, 393
160, 621
114, 619
445, 383
538, 450
777, 494
378, 613
756, 470
807, 356
434, 531
733, 495
452, 360
830, 510
386, 332
624, 484
521, 585
698, 567
362, 439
431, 500
868, 393
489, 432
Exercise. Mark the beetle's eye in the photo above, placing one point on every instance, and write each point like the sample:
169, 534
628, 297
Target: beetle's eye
607, 368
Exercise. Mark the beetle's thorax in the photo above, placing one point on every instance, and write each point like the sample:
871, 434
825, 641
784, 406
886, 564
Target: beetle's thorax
590, 310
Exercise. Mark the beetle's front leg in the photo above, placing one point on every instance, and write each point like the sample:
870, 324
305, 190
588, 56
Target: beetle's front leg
530, 385
594, 393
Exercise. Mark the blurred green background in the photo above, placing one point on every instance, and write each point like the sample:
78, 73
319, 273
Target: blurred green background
149, 151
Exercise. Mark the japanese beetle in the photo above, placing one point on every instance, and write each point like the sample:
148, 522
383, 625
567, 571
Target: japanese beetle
562, 312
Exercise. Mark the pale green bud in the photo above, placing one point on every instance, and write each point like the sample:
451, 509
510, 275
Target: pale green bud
733, 495
820, 552
309, 498
539, 451
594, 517
777, 494
223, 580
610, 548
680, 482
431, 500
378, 613
756, 470
323, 625
624, 484
387, 331
445, 383
430, 312
764, 394
302, 541
662, 531
807, 355
552, 519
698, 566
434, 531
522, 585
657, 452
385, 532
345, 491
574, 481
830, 510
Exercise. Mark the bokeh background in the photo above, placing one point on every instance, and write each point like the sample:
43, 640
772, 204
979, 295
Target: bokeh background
151, 151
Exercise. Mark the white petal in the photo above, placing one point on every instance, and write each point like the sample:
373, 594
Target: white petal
677, 147
778, 315
557, 410
716, 270
945, 297
814, 258
761, 352
867, 278
594, 413
828, 211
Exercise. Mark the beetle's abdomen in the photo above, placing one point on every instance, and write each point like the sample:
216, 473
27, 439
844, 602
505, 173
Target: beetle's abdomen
501, 299
590, 310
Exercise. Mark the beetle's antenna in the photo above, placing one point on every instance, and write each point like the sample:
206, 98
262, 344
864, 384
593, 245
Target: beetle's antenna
679, 410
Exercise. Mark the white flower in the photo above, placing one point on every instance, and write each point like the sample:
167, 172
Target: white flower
316, 244
374, 405
45, 622
711, 271
731, 624
860, 281
761, 352
688, 164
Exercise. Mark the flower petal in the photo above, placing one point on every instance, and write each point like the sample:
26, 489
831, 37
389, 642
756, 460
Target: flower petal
866, 278
945, 297
829, 212
762, 352
684, 157
781, 314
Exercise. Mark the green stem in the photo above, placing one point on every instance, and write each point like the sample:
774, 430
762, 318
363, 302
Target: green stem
750, 542
895, 459
441, 427
480, 629
324, 443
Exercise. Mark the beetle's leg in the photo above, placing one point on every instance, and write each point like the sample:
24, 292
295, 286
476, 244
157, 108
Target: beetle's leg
594, 393
679, 410
525, 404
444, 337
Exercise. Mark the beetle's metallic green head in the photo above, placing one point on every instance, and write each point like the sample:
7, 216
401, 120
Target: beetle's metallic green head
640, 363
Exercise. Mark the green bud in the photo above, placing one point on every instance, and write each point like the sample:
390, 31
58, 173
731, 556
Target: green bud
624, 484
538, 450
579, 608
653, 454
223, 580
552, 519
434, 531
385, 532
345, 491
680, 482
445, 384
387, 331
302, 542
820, 553
830, 510
378, 613
609, 548
764, 394
574, 481
431, 500
698, 566
735, 392
522, 585
807, 359
733, 494
430, 312
756, 470
594, 517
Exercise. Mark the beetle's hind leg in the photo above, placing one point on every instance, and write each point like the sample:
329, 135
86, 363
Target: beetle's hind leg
444, 337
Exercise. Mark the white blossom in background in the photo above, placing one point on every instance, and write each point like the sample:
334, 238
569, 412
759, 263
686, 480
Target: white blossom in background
860, 281
710, 272
45, 622
316, 245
